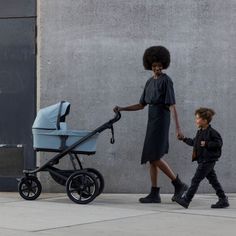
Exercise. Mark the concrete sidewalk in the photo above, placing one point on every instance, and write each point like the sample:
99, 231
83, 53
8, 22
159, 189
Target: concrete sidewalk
113, 214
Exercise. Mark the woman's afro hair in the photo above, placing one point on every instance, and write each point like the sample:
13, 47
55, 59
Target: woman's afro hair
156, 54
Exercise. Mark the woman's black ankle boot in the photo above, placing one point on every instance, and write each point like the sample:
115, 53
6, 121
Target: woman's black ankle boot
152, 197
180, 188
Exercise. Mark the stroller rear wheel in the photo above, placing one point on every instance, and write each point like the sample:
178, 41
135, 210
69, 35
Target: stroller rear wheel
82, 187
98, 176
29, 188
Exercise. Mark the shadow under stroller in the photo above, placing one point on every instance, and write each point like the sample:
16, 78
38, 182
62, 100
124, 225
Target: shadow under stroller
50, 134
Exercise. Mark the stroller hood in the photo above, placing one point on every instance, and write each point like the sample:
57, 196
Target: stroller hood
51, 116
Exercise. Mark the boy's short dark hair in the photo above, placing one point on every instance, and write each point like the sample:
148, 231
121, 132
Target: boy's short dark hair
205, 113
156, 54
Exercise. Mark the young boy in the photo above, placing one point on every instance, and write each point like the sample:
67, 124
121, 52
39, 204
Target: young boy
206, 151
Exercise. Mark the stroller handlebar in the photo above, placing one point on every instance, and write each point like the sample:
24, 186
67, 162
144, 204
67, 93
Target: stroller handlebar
116, 117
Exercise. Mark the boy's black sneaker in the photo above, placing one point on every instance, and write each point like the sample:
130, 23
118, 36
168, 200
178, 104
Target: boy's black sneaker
182, 201
222, 203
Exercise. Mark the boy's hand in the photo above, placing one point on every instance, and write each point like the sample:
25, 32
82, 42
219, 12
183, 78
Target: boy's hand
181, 138
203, 143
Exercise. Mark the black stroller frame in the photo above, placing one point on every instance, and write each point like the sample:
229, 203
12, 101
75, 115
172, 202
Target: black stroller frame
83, 185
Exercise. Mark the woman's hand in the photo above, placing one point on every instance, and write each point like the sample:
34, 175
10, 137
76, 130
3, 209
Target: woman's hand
179, 134
117, 109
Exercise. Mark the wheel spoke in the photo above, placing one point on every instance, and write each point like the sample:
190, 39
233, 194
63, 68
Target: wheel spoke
72, 191
25, 188
86, 194
34, 189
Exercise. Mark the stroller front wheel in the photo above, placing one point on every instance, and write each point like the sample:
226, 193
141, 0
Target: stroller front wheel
29, 188
82, 187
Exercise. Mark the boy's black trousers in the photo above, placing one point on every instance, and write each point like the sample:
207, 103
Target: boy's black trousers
204, 170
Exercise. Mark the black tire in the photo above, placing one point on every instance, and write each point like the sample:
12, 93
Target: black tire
29, 188
99, 178
82, 187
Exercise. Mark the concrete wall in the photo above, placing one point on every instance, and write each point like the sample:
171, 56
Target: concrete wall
90, 54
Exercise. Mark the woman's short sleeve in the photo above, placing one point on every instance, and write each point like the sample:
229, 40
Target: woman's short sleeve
170, 93
142, 98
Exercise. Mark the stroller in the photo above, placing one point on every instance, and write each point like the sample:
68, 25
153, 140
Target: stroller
50, 134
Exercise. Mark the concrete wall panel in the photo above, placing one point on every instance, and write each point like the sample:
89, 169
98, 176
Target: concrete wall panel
91, 55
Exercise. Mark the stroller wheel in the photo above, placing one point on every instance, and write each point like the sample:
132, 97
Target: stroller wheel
98, 176
29, 188
82, 187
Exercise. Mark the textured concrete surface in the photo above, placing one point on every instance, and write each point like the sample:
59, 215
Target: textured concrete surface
113, 214
90, 53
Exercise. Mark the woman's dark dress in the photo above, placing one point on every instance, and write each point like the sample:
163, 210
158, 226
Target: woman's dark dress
159, 95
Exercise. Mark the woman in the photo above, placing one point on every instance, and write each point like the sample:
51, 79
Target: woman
159, 95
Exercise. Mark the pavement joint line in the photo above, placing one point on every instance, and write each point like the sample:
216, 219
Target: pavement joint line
119, 218
136, 216
12, 229
93, 222
159, 211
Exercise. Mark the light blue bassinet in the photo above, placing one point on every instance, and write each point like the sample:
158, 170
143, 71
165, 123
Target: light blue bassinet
50, 131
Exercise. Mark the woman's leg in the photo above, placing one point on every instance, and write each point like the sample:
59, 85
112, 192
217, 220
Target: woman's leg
165, 168
154, 195
153, 174
179, 186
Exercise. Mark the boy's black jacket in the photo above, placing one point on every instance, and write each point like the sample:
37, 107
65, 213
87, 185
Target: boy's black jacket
212, 149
